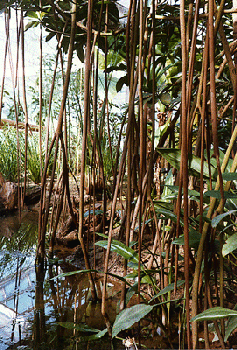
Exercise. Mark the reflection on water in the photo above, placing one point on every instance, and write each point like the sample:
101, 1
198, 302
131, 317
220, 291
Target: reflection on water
33, 304
17, 276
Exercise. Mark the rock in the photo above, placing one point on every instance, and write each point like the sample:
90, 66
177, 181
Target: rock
8, 196
70, 240
32, 195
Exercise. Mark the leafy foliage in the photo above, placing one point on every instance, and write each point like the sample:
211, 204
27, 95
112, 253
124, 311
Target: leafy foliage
214, 313
129, 316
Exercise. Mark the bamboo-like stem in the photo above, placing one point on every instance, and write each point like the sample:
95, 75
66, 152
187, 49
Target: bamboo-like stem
184, 162
24, 101
213, 90
7, 24
205, 231
40, 90
84, 143
115, 194
142, 144
44, 208
131, 65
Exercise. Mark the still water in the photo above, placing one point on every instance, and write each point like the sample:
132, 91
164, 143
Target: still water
37, 310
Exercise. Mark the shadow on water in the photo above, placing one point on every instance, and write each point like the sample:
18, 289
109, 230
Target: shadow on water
37, 310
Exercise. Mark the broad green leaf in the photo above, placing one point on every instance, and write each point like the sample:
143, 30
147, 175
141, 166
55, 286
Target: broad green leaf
31, 24
229, 176
167, 213
123, 80
215, 221
85, 329
231, 325
170, 288
230, 245
131, 291
194, 239
191, 193
129, 316
173, 156
214, 313
121, 249
217, 194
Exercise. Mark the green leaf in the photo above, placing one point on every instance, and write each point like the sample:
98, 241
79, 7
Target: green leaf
173, 156
80, 52
121, 82
85, 329
78, 326
65, 274
215, 221
229, 176
217, 194
194, 239
129, 316
33, 14
214, 313
170, 287
169, 214
31, 24
121, 249
230, 245
231, 325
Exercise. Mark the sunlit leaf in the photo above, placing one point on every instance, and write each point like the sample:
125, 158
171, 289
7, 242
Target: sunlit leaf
121, 249
173, 156
214, 313
230, 245
129, 316
215, 221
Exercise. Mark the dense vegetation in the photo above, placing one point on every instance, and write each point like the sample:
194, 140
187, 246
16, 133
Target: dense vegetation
166, 160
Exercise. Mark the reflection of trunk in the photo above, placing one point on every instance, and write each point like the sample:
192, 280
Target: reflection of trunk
56, 302
39, 322
16, 299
